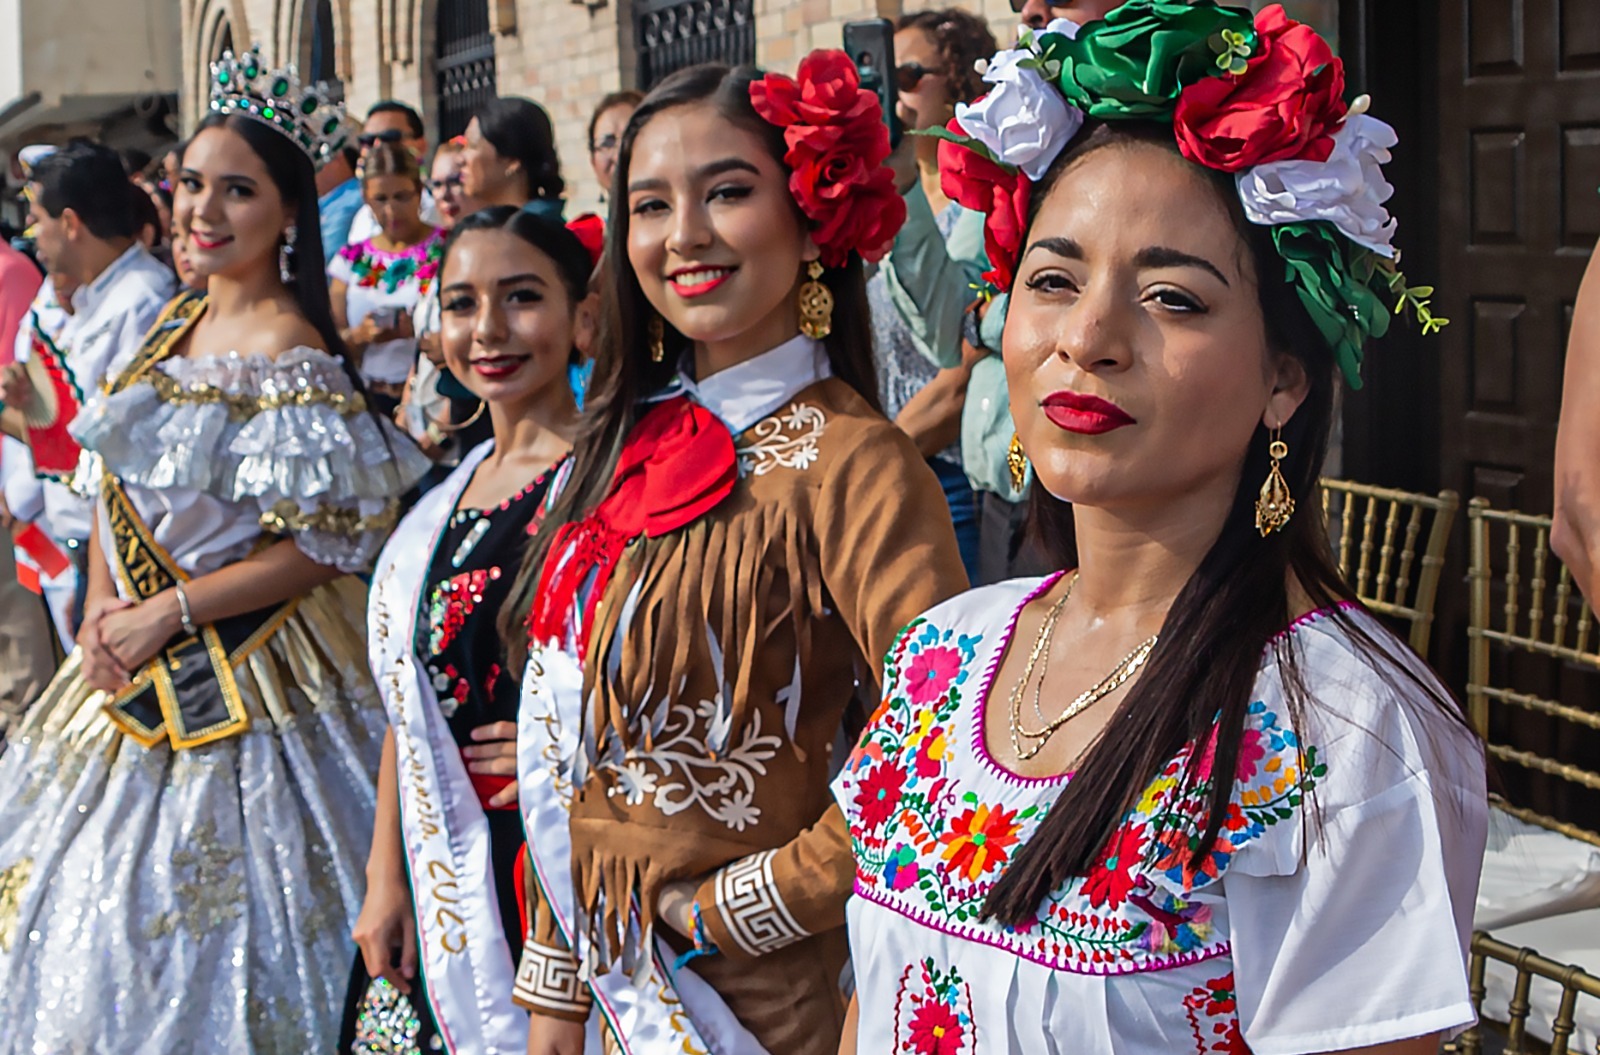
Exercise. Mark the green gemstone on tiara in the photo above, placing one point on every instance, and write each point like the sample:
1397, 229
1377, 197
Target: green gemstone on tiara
224, 77
280, 87
331, 127
268, 112
309, 105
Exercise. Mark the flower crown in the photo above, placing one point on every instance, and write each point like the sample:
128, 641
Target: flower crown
312, 116
1261, 99
837, 144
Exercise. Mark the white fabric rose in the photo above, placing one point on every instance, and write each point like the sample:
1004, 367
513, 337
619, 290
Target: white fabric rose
1348, 190
1064, 26
1024, 120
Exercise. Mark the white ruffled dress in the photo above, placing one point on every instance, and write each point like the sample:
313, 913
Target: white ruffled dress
155, 900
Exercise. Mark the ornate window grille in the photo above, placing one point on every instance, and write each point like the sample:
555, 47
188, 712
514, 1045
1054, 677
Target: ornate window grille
464, 59
672, 34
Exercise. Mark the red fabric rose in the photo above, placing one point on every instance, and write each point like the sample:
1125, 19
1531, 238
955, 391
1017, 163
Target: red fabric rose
1285, 106
974, 182
837, 143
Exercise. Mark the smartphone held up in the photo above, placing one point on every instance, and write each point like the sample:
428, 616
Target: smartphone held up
870, 45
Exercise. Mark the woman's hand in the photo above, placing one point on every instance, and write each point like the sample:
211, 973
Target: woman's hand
135, 633
494, 753
386, 932
100, 668
675, 906
554, 1036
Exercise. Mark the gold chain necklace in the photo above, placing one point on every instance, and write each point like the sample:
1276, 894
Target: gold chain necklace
1119, 676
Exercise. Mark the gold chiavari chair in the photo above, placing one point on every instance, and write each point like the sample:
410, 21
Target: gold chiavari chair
1524, 604
1529, 965
1375, 532
1541, 613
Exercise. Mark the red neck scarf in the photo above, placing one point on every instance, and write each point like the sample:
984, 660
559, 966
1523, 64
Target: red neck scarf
677, 464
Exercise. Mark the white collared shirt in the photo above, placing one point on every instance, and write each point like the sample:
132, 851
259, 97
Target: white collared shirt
111, 316
746, 393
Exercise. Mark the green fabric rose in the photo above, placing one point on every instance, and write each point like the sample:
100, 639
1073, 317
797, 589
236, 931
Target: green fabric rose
1341, 286
1134, 63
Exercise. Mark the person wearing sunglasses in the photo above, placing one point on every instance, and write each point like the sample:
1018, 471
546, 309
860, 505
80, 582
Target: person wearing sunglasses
919, 293
392, 122
1036, 14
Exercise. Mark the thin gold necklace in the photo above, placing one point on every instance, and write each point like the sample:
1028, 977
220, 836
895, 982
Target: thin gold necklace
1119, 676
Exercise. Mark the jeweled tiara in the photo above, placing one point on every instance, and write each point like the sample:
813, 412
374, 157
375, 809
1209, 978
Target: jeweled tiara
311, 116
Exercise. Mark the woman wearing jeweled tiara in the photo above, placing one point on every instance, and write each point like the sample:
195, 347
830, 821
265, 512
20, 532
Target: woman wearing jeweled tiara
184, 814
1184, 795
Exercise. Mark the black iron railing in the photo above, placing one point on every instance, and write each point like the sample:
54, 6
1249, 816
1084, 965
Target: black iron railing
672, 34
464, 59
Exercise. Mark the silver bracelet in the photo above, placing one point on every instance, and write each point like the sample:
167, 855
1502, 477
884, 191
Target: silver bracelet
183, 611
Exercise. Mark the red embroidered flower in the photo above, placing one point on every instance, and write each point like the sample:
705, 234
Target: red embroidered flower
837, 143
1220, 1033
879, 794
936, 1030
1112, 879
978, 840
974, 182
1286, 105
929, 676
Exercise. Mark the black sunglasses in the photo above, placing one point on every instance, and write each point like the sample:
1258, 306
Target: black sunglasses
908, 75
388, 135
605, 142
1018, 5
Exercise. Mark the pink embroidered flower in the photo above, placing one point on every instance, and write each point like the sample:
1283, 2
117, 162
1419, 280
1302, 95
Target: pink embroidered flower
1112, 878
1251, 752
879, 794
930, 675
936, 1030
900, 871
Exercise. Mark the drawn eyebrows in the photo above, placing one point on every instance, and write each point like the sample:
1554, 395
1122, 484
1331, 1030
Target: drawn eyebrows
1156, 256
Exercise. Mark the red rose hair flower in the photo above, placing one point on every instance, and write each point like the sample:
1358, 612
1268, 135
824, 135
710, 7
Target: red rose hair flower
1285, 106
837, 143
973, 181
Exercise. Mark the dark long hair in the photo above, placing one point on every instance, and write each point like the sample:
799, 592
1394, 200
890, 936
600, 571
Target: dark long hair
520, 129
553, 239
1233, 609
624, 370
292, 173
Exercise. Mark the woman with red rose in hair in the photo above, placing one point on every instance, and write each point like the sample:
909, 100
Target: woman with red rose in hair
1187, 795
740, 538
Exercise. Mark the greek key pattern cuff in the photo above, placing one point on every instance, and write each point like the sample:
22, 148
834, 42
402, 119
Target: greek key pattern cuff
547, 980
752, 909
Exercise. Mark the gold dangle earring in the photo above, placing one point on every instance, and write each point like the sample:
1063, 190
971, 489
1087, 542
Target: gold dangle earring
1275, 505
816, 304
658, 339
1017, 463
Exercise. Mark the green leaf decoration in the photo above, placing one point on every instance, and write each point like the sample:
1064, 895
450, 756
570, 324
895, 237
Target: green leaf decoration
1134, 63
968, 142
1335, 280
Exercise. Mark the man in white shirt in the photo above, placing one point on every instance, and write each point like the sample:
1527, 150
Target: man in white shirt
86, 219
390, 121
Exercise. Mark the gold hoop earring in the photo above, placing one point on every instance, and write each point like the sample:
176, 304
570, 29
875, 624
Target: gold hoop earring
658, 339
1275, 505
816, 304
1017, 463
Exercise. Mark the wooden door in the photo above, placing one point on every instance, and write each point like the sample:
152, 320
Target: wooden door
1519, 136
1519, 165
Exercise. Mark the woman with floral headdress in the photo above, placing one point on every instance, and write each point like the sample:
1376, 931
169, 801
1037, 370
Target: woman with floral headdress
1187, 794
742, 533
184, 813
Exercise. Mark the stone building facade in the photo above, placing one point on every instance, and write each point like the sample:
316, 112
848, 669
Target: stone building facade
566, 54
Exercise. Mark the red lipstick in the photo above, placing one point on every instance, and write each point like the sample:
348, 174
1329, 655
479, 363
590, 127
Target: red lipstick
1087, 415
691, 282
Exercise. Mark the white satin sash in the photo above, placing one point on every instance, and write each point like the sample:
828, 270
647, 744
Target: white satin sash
466, 963
660, 1013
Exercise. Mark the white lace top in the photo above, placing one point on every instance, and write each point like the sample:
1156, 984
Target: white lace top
214, 451
1295, 933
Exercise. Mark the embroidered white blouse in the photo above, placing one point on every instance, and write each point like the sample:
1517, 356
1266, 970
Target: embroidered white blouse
1297, 934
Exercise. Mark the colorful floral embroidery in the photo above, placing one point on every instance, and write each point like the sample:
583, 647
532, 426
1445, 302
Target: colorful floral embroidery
1213, 1013
930, 840
372, 267
933, 1012
451, 602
